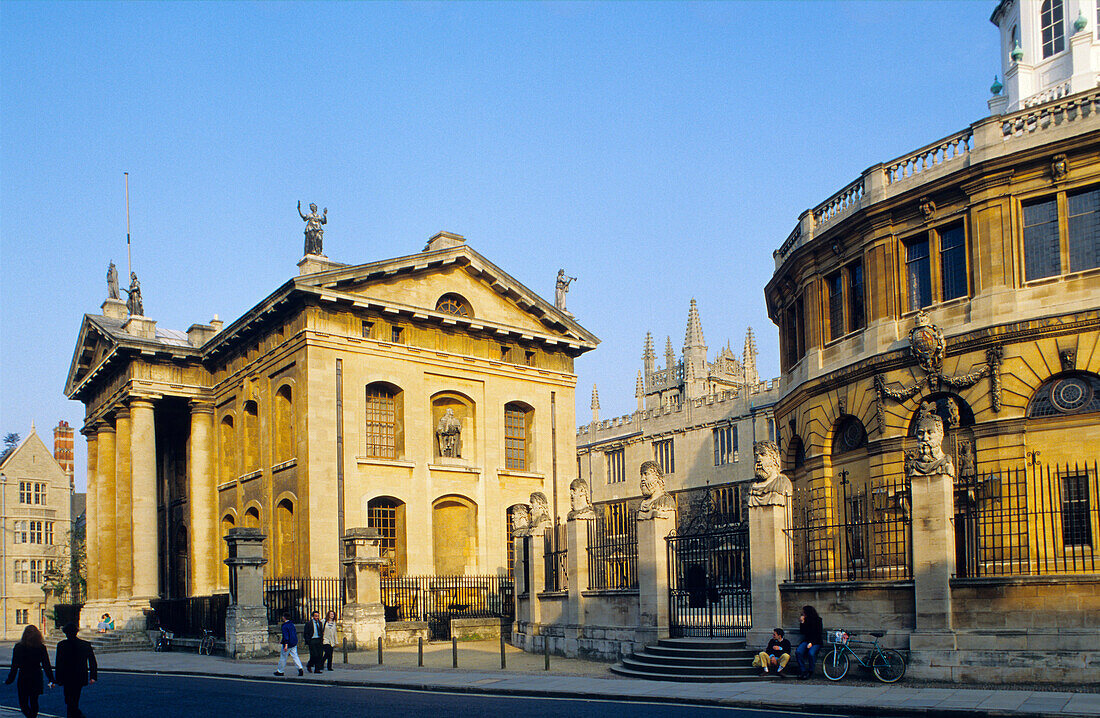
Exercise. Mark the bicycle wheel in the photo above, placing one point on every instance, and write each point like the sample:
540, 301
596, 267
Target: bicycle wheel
205, 646
835, 664
888, 665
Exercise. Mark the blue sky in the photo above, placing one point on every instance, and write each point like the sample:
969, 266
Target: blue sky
656, 151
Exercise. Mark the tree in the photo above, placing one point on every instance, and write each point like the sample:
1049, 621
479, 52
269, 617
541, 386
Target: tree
11, 440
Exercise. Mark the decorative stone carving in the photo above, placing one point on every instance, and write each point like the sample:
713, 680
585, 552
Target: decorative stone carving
133, 297
1059, 168
656, 502
540, 514
926, 344
842, 403
314, 232
449, 434
927, 208
521, 519
952, 413
769, 487
112, 282
994, 356
967, 460
581, 502
561, 288
929, 459
1069, 359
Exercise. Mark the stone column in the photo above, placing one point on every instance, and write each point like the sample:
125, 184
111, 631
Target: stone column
537, 580
653, 578
202, 499
91, 520
124, 500
143, 452
769, 549
246, 617
933, 509
363, 617
105, 499
576, 536
523, 600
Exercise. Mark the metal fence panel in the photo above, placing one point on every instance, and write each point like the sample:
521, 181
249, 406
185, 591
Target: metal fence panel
189, 616
556, 558
438, 599
302, 596
613, 552
709, 583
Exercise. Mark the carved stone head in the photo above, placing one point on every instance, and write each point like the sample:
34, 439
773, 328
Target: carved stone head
929, 433
927, 208
653, 481
579, 498
765, 456
1059, 168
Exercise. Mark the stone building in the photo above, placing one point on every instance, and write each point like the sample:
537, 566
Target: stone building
963, 276
697, 418
34, 529
420, 395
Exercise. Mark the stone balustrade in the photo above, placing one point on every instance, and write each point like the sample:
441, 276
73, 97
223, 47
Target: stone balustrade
1070, 109
938, 153
840, 204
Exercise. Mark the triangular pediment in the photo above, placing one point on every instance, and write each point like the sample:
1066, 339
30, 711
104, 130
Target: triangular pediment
94, 345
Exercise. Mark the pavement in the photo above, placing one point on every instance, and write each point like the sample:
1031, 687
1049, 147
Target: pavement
479, 671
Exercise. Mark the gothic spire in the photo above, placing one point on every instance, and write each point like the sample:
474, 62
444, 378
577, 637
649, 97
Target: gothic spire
639, 386
670, 356
595, 404
693, 337
647, 352
748, 361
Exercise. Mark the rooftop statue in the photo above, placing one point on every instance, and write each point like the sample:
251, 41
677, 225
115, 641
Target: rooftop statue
656, 502
112, 281
314, 232
133, 297
561, 289
769, 487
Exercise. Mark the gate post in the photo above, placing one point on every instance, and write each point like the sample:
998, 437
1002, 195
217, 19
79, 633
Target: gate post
363, 617
576, 536
246, 617
769, 552
653, 576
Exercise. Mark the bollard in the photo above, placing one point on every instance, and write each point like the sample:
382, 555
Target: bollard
454, 652
503, 661
379, 650
420, 651
345, 649
546, 651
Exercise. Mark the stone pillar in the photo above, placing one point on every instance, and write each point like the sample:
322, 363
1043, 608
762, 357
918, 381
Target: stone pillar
933, 509
124, 537
576, 536
537, 580
202, 499
523, 599
105, 499
363, 617
143, 452
91, 520
246, 617
653, 578
769, 549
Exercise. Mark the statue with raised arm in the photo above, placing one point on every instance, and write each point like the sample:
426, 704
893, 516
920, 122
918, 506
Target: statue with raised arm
449, 433
581, 501
133, 297
314, 232
112, 281
561, 289
769, 487
929, 458
656, 501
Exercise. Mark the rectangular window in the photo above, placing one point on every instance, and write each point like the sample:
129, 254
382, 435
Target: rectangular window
515, 439
727, 505
381, 424
37, 570
665, 456
48, 533
953, 262
918, 274
795, 333
1054, 36
725, 445
1042, 249
19, 572
35, 532
505, 353
22, 616
856, 316
1076, 526
836, 305
616, 466
1083, 220
395, 335
367, 327
24, 492
529, 358
20, 532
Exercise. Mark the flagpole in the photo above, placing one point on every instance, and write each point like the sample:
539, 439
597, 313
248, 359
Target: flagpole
129, 263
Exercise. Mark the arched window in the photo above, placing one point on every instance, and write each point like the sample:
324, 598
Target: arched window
284, 424
796, 452
1066, 394
228, 440
849, 435
252, 518
387, 515
1052, 22
517, 436
286, 539
251, 436
454, 304
384, 427
228, 522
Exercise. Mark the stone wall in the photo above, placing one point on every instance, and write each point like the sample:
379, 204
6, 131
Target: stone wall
856, 607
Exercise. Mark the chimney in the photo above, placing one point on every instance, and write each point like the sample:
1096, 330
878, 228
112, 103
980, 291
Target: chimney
63, 450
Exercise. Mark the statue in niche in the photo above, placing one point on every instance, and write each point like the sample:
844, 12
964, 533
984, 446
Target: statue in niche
580, 501
314, 232
521, 518
769, 487
966, 458
449, 434
561, 288
540, 514
112, 282
656, 501
929, 459
133, 297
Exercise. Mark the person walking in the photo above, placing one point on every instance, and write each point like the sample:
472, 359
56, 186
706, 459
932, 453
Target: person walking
76, 667
314, 633
29, 659
812, 637
289, 646
329, 639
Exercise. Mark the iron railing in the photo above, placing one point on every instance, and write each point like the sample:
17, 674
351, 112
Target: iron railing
302, 596
613, 551
555, 558
709, 582
1028, 521
843, 533
189, 616
419, 598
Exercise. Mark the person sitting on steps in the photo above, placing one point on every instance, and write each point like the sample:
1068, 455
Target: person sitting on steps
775, 655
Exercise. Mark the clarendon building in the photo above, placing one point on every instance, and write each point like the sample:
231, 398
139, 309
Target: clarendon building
697, 418
420, 396
963, 276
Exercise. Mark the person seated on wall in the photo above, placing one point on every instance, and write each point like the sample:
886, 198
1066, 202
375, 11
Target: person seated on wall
776, 655
813, 635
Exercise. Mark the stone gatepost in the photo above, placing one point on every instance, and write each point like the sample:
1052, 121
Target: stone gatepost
246, 618
933, 508
769, 549
653, 575
535, 571
363, 616
576, 537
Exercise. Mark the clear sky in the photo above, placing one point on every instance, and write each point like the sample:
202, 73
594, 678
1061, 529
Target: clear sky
656, 151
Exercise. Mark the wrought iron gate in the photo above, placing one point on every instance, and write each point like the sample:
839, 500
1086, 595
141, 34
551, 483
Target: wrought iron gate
709, 591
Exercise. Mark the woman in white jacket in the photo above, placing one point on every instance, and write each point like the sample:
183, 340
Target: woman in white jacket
328, 636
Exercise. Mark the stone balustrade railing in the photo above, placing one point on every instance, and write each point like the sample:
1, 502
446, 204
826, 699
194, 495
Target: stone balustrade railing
1041, 117
1056, 92
938, 153
840, 203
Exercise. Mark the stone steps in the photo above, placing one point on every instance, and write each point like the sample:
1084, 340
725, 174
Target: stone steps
691, 659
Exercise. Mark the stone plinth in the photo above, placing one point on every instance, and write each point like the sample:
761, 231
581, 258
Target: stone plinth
246, 633
313, 263
246, 618
576, 536
653, 578
363, 617
140, 326
114, 309
768, 546
933, 550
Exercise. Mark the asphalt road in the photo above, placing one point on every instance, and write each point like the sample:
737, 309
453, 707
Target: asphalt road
138, 695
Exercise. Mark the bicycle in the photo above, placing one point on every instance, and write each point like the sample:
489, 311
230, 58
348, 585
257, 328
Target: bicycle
162, 642
206, 645
887, 664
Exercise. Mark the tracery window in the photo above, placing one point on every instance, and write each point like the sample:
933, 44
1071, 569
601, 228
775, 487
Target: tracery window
1073, 393
453, 304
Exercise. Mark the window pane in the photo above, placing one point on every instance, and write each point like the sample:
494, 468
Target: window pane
1042, 254
919, 274
515, 439
855, 296
953, 262
836, 306
381, 424
1054, 39
1084, 230
1076, 524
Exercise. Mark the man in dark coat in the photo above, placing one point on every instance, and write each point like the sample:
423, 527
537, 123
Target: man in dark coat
314, 634
76, 668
